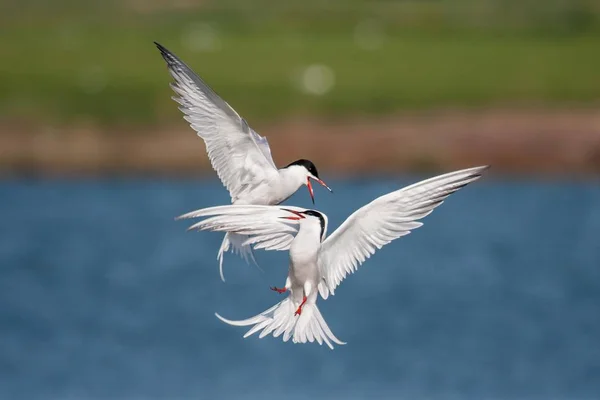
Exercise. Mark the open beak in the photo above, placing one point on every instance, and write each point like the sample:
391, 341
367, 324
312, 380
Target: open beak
310, 188
297, 216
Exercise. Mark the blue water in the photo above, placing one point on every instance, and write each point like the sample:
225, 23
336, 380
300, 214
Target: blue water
103, 295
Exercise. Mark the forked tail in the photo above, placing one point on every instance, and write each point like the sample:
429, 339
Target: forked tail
235, 242
280, 319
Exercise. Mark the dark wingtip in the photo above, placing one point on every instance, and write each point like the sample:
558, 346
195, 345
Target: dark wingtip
166, 54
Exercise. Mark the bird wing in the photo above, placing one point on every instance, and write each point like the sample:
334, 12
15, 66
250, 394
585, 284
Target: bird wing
381, 221
240, 156
266, 226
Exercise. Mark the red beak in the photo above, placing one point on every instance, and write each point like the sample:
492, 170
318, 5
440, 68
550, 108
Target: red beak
297, 217
323, 183
310, 190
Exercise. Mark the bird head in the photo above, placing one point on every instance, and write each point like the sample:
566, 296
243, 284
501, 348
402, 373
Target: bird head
309, 172
308, 217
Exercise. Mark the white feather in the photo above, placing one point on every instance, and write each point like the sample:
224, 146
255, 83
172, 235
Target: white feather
240, 156
280, 319
265, 226
325, 263
378, 223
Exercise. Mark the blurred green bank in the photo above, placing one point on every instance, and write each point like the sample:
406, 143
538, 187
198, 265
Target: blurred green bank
67, 62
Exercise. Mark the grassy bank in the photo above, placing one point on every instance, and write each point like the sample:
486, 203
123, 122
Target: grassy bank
97, 63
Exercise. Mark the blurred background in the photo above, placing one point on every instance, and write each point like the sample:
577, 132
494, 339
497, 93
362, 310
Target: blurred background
103, 295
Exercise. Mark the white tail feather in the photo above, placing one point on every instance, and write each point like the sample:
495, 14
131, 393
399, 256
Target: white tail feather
280, 319
236, 243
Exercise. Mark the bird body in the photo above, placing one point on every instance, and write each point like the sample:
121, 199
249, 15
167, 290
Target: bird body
240, 156
272, 189
319, 264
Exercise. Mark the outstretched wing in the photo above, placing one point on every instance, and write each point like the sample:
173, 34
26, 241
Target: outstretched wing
240, 156
378, 223
267, 226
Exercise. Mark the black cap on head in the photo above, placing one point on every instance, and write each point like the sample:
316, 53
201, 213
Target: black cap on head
317, 214
310, 167
313, 213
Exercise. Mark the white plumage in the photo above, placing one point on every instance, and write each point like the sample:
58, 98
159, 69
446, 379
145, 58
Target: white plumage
240, 156
318, 264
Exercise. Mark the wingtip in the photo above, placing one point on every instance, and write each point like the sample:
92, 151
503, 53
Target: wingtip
478, 171
483, 169
188, 215
164, 52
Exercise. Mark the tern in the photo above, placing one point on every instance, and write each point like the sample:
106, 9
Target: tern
319, 264
240, 156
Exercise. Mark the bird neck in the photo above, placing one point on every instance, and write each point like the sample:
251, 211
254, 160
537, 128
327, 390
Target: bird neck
310, 230
307, 242
290, 180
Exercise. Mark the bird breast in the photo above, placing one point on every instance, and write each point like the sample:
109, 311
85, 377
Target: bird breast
267, 192
303, 263
305, 247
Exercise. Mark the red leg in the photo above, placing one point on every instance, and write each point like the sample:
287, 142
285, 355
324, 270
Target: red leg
283, 290
299, 310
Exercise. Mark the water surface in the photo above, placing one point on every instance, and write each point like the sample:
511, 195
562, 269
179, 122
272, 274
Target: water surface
104, 295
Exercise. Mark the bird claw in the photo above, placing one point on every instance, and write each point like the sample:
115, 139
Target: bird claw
275, 289
299, 310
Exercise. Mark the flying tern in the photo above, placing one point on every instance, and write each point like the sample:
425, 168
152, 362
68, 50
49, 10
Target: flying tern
240, 156
319, 264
